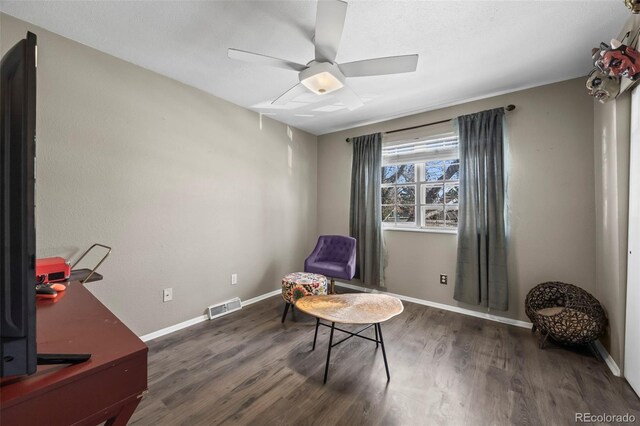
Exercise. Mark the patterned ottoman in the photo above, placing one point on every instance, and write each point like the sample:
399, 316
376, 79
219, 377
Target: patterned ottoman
300, 284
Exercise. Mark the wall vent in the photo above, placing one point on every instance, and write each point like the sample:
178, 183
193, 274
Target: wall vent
224, 308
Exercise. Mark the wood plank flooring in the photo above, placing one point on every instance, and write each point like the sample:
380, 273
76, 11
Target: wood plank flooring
446, 369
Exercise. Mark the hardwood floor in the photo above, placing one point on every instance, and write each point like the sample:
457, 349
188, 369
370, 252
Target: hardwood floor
446, 369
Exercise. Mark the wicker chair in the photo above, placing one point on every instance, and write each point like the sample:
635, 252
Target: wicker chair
566, 313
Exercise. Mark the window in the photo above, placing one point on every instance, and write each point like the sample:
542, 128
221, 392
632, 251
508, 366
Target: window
420, 183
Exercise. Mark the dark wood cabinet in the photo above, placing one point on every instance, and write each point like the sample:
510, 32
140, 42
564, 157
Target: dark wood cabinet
108, 387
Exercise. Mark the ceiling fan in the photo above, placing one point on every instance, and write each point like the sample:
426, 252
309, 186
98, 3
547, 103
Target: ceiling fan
323, 75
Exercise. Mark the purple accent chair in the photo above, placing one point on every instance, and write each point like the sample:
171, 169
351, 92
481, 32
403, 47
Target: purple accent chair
333, 257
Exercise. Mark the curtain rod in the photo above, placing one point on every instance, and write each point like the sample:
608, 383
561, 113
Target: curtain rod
509, 107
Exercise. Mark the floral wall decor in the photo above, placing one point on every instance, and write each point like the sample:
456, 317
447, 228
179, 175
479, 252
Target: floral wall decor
617, 64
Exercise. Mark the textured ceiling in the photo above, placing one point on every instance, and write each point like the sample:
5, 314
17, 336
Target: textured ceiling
468, 49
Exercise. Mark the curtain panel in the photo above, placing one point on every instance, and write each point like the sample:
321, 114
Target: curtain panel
481, 268
365, 216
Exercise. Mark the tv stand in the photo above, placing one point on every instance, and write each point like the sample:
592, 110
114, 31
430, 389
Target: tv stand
53, 359
105, 386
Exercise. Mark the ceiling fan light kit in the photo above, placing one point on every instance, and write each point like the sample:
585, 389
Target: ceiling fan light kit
322, 78
323, 75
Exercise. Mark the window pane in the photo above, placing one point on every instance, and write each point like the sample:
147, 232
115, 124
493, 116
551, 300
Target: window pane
406, 214
452, 170
388, 214
451, 194
388, 195
406, 173
434, 170
451, 215
433, 217
434, 194
389, 174
406, 194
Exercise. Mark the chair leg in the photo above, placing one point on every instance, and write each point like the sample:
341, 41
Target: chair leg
543, 341
332, 289
594, 351
286, 309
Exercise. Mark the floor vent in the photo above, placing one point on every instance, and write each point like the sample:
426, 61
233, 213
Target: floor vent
224, 308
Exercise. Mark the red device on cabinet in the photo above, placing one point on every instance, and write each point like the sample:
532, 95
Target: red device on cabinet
52, 269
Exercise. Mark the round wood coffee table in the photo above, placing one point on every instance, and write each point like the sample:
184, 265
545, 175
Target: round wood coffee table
353, 308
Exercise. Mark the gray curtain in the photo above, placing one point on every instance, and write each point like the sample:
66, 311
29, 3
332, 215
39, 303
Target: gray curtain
481, 269
365, 216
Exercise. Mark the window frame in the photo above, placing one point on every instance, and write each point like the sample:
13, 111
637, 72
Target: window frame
420, 184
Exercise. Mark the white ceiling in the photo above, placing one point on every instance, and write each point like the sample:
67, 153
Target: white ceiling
468, 49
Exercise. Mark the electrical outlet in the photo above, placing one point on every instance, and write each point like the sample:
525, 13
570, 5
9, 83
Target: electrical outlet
167, 294
443, 279
234, 279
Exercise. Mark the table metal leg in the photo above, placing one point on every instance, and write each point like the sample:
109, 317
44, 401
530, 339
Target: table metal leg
384, 354
376, 329
286, 309
315, 336
326, 368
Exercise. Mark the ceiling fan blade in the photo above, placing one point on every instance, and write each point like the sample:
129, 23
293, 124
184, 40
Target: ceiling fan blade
330, 18
349, 98
380, 66
290, 95
257, 58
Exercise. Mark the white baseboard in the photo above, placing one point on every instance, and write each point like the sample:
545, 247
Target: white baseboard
201, 318
355, 287
175, 327
608, 359
261, 297
457, 309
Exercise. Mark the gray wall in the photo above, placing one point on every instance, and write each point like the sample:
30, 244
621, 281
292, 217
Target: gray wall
551, 197
186, 187
612, 127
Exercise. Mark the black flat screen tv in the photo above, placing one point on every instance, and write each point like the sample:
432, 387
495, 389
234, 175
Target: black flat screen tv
17, 209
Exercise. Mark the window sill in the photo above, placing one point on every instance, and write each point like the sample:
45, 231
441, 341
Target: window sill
423, 230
